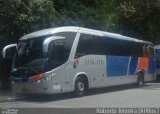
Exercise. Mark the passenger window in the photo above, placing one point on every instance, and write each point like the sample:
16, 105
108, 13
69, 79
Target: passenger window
85, 46
102, 45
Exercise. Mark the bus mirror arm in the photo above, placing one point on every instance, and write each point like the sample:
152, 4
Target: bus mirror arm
48, 41
4, 51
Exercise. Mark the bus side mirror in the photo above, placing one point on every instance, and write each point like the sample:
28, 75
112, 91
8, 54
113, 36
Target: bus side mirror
47, 42
8, 51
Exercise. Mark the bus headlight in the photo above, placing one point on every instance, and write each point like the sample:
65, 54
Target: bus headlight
38, 81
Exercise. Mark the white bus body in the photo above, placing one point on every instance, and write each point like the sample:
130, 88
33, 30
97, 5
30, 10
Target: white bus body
96, 70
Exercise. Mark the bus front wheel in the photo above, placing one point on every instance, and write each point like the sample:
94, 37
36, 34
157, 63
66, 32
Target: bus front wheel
80, 87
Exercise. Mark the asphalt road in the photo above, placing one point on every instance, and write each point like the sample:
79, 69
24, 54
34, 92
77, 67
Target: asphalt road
127, 96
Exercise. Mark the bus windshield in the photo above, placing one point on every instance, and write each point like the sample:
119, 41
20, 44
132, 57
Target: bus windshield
29, 59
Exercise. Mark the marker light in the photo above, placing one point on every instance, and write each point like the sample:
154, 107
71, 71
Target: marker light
36, 77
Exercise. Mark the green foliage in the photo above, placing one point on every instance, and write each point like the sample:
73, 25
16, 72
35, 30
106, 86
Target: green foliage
19, 17
135, 18
140, 18
86, 13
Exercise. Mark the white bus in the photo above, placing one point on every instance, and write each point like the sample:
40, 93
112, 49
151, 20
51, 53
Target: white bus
66, 59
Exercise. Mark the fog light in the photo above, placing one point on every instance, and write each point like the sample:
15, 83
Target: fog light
38, 81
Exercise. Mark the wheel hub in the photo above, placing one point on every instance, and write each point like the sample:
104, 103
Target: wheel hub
81, 86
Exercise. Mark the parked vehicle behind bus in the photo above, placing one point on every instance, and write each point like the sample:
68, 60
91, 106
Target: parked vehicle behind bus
157, 53
66, 59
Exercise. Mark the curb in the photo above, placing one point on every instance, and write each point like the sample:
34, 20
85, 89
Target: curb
7, 98
6, 95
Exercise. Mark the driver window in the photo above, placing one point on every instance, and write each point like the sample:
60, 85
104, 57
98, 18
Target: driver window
56, 54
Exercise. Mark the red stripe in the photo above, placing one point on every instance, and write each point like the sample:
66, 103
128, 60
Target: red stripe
36, 77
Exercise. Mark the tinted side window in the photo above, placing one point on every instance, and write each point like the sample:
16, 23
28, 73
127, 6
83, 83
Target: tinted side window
68, 41
114, 46
57, 54
85, 46
118, 47
59, 50
133, 49
100, 45
110, 46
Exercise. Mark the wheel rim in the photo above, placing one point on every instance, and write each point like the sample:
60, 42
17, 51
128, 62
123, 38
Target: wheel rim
80, 86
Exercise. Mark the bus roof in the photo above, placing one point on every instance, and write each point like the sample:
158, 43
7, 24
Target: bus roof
48, 32
81, 29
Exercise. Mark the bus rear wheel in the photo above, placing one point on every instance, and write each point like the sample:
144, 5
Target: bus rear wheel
80, 87
140, 80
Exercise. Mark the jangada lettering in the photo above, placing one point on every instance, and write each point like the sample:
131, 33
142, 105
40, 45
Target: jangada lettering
94, 62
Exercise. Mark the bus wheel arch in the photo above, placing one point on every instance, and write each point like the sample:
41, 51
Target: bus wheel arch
81, 85
140, 79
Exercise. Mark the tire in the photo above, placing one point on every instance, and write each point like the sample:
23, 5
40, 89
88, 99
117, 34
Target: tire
140, 80
80, 87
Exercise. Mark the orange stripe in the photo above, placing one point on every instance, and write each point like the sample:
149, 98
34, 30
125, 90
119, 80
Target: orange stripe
36, 77
143, 63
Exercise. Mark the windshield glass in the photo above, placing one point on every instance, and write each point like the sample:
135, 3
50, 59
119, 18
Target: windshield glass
29, 59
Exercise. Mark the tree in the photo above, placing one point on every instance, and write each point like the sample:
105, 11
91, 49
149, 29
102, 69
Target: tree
19, 17
86, 13
139, 18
